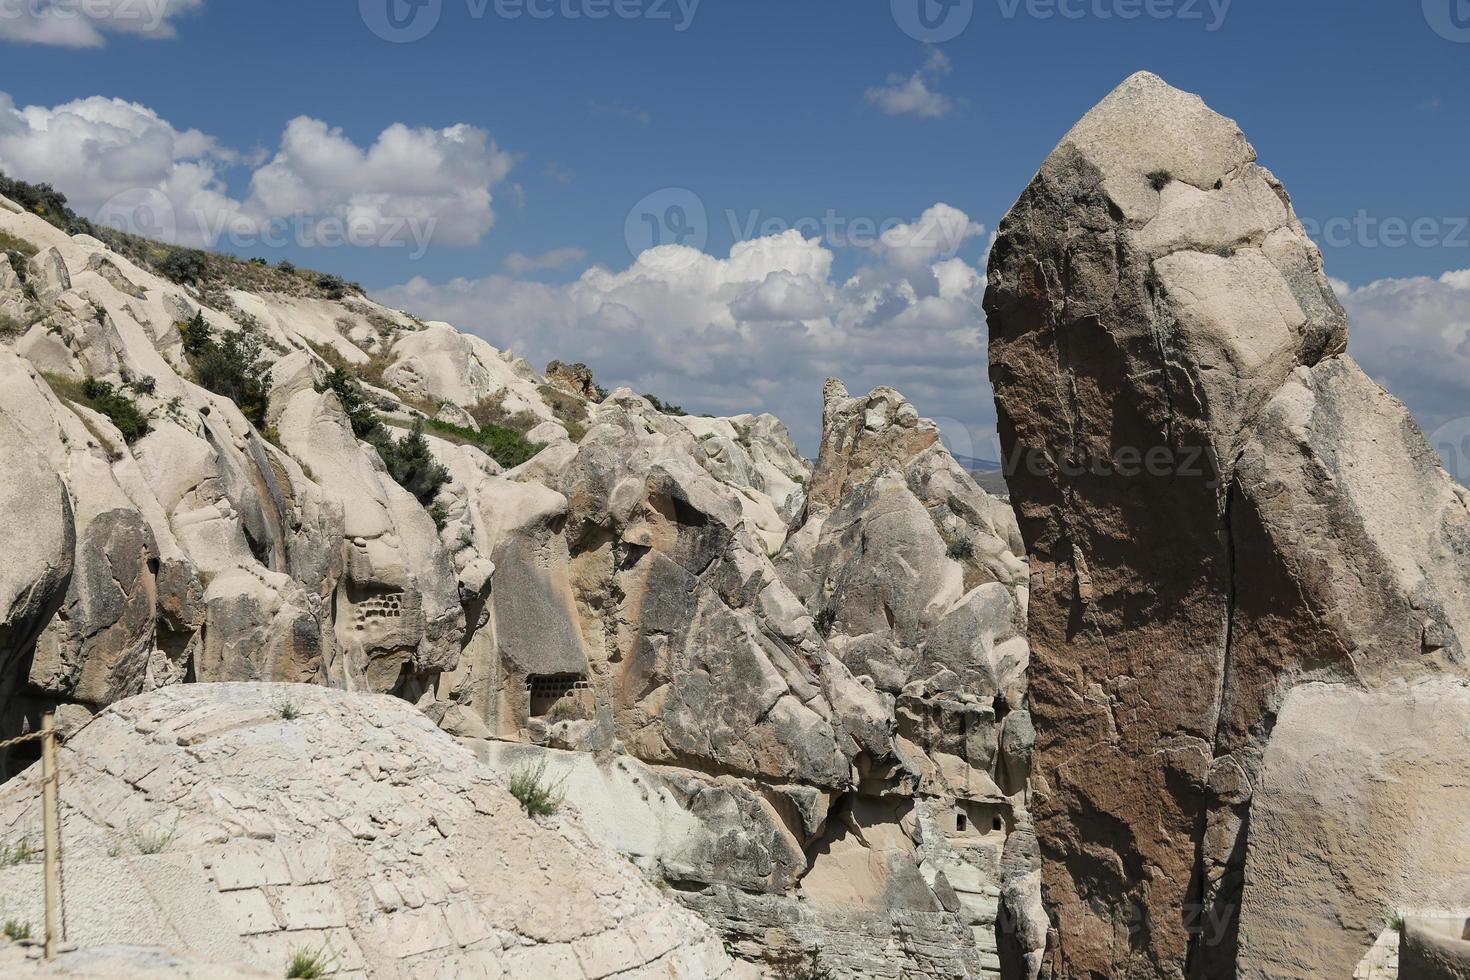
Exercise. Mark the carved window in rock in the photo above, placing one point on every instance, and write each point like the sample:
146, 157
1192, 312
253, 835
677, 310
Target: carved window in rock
546, 690
979, 820
370, 611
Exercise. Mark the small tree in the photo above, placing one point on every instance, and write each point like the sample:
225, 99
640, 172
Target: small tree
232, 366
412, 465
360, 412
183, 266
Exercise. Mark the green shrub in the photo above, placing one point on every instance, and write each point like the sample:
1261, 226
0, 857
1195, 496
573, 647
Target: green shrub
19, 250
289, 710
664, 407
231, 366
310, 964
1160, 179
13, 854
15, 931
154, 840
412, 465
537, 796
506, 446
365, 421
825, 621
185, 266
332, 287
120, 410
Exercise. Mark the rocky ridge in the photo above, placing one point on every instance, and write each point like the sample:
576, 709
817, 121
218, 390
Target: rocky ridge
684, 605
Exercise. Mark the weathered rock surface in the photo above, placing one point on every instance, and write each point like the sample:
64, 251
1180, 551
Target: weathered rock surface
1357, 818
1217, 505
200, 819
797, 695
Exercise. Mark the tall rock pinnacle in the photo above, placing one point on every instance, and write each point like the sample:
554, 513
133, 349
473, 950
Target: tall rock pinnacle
1218, 505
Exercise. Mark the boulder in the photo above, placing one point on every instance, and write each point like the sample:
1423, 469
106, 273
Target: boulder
1356, 819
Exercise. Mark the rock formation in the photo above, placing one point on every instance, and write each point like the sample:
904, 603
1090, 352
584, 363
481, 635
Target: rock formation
213, 820
794, 694
1218, 506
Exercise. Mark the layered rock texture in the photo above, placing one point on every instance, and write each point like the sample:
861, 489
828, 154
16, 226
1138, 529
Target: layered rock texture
244, 823
1218, 507
796, 694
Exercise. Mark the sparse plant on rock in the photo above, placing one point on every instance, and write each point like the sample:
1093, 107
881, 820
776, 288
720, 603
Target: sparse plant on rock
825, 621
961, 549
310, 964
120, 410
289, 709
15, 931
18, 853
152, 840
537, 795
1160, 179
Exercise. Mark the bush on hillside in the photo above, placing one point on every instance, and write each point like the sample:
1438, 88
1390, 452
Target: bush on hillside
121, 411
232, 366
355, 402
412, 465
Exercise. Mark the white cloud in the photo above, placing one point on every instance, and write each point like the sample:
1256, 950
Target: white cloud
915, 95
939, 233
85, 23
439, 179
558, 258
1413, 337
759, 330
121, 163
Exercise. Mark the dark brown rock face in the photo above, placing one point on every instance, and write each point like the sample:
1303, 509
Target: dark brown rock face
1206, 485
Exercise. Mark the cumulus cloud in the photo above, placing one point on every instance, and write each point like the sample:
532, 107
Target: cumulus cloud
758, 330
558, 258
916, 94
408, 177
122, 164
86, 23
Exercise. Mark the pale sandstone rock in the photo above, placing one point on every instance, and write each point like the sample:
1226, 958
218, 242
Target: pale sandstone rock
1356, 818
356, 827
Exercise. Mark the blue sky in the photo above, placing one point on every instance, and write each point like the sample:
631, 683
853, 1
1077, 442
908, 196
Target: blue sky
771, 112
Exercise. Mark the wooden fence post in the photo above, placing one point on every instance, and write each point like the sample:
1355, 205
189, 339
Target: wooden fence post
50, 804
